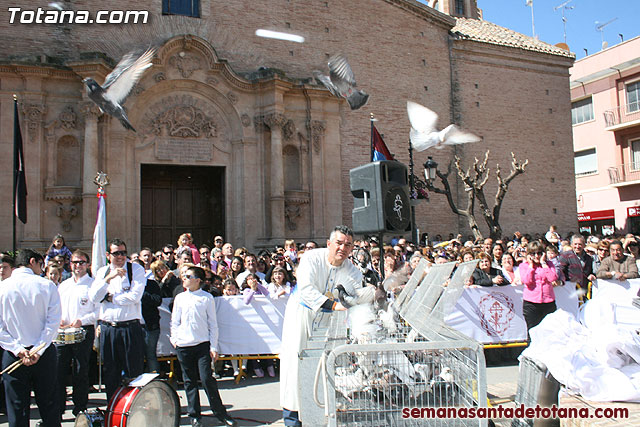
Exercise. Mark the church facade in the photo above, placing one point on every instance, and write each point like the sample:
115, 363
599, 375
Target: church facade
233, 137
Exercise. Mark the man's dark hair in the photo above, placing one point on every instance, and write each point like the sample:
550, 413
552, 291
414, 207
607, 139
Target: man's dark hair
203, 246
8, 259
198, 272
25, 255
146, 249
168, 245
615, 242
341, 229
116, 242
82, 254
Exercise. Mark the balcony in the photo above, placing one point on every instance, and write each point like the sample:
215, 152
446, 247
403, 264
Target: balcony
626, 174
622, 117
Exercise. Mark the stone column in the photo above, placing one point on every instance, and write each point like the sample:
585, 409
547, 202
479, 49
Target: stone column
276, 121
89, 170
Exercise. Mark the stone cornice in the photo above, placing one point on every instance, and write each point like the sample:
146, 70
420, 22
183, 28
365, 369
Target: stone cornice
37, 70
425, 12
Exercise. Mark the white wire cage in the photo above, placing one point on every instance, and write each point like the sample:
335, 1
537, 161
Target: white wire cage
420, 363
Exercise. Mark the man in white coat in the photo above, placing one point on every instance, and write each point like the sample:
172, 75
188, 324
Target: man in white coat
318, 274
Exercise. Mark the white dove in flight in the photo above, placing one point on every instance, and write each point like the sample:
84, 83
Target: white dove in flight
425, 135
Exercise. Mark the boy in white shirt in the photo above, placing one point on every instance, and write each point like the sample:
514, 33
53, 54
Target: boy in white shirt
194, 334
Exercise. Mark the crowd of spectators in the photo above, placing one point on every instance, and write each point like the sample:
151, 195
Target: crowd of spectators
510, 260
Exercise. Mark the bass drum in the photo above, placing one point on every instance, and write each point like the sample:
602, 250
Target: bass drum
154, 405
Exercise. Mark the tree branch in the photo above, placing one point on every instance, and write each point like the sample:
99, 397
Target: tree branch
517, 168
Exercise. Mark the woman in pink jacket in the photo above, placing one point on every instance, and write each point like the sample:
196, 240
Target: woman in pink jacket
539, 278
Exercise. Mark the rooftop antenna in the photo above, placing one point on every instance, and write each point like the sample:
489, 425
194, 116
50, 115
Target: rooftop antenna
600, 27
533, 25
564, 7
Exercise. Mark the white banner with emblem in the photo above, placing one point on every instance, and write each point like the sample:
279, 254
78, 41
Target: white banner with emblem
493, 315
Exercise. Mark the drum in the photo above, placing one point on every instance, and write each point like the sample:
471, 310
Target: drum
70, 336
154, 405
91, 418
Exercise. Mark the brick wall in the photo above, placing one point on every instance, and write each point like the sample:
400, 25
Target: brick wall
396, 54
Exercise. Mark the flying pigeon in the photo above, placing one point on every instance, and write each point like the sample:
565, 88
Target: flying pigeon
342, 83
112, 94
424, 133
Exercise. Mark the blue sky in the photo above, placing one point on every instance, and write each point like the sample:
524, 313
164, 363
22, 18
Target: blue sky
581, 31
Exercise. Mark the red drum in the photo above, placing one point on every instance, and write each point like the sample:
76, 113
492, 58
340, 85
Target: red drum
154, 405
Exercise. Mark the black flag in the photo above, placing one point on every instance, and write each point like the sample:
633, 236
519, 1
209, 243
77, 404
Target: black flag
19, 180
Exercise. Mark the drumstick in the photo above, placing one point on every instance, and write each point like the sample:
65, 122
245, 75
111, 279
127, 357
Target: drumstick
15, 365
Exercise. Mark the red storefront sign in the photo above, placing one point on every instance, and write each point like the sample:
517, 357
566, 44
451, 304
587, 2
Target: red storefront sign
596, 215
634, 211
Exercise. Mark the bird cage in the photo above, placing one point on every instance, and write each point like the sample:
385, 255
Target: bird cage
419, 363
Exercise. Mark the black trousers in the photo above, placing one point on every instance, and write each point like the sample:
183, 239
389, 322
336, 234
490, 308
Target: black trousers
196, 360
78, 356
534, 312
122, 350
18, 384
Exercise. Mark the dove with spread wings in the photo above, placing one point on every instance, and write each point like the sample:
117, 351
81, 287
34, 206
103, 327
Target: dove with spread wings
425, 135
116, 87
342, 82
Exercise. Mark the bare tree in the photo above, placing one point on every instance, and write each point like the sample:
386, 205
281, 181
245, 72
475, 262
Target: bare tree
474, 180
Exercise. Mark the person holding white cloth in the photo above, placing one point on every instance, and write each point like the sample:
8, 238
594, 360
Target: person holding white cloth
319, 273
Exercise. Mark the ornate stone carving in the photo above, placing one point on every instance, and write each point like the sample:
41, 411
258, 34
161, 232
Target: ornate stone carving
212, 81
288, 130
258, 123
90, 110
291, 213
184, 121
186, 63
275, 119
246, 120
137, 89
317, 131
66, 198
66, 212
159, 77
293, 207
232, 97
67, 118
33, 114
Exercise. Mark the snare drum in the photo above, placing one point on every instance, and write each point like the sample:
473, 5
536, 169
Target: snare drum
91, 418
154, 405
70, 336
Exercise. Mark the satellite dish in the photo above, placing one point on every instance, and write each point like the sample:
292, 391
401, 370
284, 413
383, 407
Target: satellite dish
563, 46
605, 45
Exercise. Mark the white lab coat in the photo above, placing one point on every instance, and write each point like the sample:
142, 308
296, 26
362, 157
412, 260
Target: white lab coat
315, 277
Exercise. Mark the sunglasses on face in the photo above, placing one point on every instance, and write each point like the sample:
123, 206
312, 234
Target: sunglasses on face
204, 253
168, 252
79, 262
119, 253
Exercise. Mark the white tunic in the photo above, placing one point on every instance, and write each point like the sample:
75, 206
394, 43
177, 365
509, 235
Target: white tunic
29, 311
315, 277
75, 302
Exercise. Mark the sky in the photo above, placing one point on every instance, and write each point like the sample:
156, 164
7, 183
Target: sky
581, 20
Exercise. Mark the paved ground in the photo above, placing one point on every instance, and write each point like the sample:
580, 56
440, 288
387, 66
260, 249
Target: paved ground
255, 401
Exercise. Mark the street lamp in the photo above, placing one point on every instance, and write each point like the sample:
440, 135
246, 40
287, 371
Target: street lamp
430, 169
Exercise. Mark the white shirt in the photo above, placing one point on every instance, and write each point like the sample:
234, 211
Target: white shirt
193, 319
29, 311
274, 289
125, 303
244, 274
75, 302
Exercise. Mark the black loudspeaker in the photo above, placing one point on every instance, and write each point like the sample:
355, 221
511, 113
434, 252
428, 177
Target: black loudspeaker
381, 198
